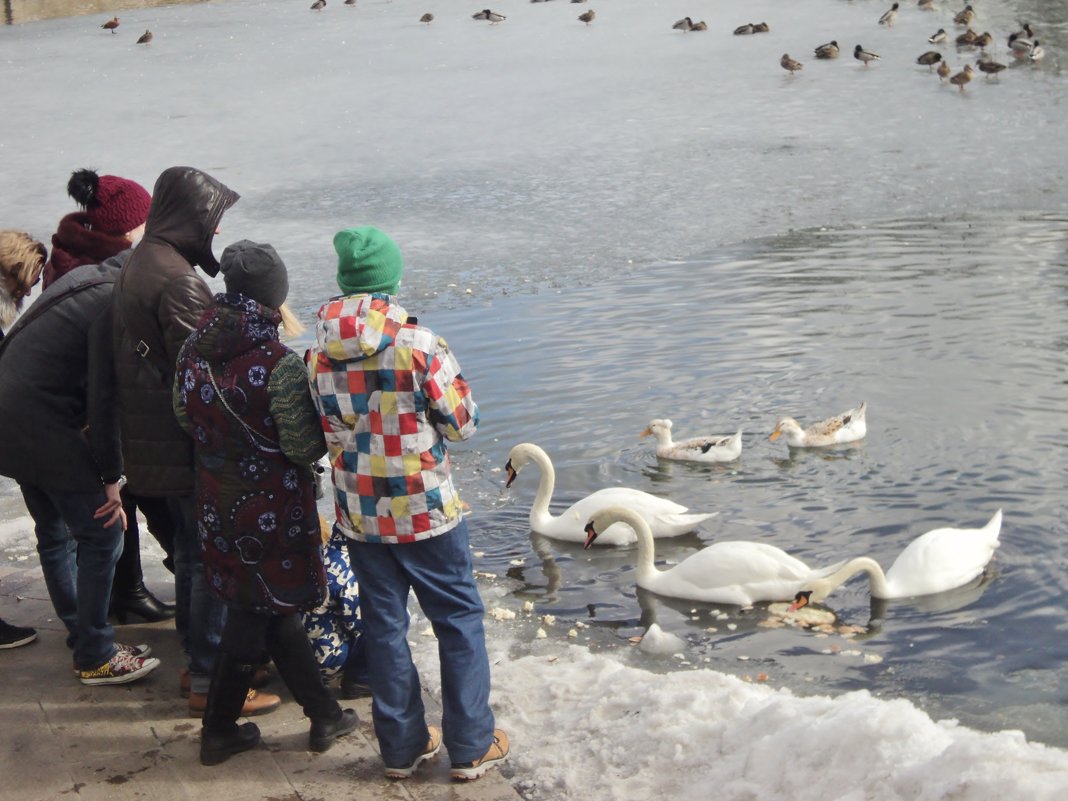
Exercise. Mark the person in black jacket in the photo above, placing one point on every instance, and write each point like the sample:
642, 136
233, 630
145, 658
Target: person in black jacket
159, 297
111, 220
21, 260
59, 426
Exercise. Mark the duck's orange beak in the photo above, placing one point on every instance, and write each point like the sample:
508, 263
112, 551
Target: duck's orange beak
775, 435
645, 433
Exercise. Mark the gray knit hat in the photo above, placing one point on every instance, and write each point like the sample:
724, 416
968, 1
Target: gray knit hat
256, 271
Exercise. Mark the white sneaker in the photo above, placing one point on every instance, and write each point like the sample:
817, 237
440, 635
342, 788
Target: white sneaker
120, 669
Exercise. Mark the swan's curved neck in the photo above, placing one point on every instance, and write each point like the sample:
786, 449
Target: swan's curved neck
861, 564
539, 510
645, 565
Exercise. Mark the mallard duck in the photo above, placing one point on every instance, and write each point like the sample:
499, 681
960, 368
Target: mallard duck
925, 5
737, 573
1037, 52
744, 30
929, 59
700, 26
965, 17
350, 2
962, 77
761, 27
829, 50
427, 18
698, 449
1020, 46
1027, 32
492, 16
588, 17
789, 64
983, 40
318, 5
989, 66
665, 518
145, 37
864, 56
967, 39
847, 427
888, 17
111, 24
683, 25
938, 561
943, 70
938, 36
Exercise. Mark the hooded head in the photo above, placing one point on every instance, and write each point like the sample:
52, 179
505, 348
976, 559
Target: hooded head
255, 271
187, 205
113, 205
367, 261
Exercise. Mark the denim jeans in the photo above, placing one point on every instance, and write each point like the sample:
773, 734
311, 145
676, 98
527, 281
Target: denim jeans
78, 555
440, 572
199, 613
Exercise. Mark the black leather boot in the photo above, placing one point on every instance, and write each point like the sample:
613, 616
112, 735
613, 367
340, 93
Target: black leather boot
288, 645
221, 737
139, 601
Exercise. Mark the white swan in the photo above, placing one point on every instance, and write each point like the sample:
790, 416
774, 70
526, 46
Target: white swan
740, 573
846, 427
666, 518
698, 449
940, 560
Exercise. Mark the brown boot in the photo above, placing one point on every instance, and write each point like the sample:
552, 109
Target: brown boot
261, 678
256, 703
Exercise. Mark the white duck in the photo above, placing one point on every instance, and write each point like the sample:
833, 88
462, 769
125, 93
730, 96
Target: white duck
847, 427
665, 518
699, 449
740, 573
938, 561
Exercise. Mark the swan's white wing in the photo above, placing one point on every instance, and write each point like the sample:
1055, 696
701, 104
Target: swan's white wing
665, 517
943, 559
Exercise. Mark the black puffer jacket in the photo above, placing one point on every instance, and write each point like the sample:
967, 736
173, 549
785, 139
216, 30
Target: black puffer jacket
158, 300
59, 424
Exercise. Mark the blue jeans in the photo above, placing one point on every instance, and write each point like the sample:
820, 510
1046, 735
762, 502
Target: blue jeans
440, 572
199, 613
78, 556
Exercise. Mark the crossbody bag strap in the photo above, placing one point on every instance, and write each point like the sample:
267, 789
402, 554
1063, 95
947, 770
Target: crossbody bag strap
152, 358
41, 306
257, 437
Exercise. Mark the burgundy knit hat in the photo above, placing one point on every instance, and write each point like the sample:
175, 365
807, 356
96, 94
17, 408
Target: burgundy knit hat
114, 205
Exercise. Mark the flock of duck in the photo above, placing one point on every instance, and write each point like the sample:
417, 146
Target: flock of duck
738, 572
1022, 44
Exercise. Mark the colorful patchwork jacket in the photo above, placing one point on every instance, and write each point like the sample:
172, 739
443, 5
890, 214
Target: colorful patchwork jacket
389, 394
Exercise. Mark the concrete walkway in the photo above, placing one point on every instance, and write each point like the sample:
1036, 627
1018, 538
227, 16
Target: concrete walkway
61, 740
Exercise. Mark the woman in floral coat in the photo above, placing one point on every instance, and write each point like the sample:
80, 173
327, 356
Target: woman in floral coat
243, 397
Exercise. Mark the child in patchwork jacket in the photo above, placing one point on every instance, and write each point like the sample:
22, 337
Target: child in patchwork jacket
390, 396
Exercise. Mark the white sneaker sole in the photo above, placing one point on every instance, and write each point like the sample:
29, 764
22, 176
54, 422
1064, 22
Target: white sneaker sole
406, 773
470, 774
147, 667
19, 643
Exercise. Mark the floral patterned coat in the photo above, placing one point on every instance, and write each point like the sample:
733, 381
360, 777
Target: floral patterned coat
243, 396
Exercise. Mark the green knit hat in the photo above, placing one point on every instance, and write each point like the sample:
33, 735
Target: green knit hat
367, 261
